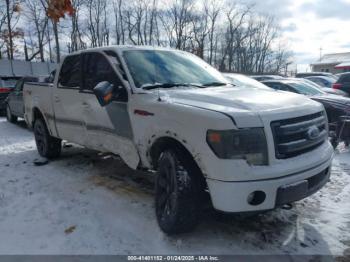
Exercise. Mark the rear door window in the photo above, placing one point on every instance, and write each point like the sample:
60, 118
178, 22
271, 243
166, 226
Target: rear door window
70, 74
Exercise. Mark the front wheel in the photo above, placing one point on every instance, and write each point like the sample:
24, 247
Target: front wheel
9, 116
48, 146
177, 193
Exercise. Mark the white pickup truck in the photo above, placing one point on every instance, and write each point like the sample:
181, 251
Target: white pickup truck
166, 110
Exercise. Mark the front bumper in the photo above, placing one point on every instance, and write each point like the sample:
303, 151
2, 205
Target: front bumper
236, 196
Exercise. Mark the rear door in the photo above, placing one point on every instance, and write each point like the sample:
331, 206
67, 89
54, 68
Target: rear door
109, 127
67, 101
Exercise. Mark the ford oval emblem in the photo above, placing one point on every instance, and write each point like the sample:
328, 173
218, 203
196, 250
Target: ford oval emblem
313, 133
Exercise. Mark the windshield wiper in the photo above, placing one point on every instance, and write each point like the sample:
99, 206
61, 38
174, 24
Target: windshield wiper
167, 85
214, 84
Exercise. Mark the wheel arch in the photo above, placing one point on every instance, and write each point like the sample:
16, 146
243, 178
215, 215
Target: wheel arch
37, 114
164, 143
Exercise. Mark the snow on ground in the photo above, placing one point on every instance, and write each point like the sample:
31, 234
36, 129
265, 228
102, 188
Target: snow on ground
90, 203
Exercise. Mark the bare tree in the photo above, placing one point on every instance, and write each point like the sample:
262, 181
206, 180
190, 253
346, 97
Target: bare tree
119, 22
45, 5
36, 14
212, 11
98, 31
235, 17
76, 36
177, 20
200, 31
11, 18
232, 37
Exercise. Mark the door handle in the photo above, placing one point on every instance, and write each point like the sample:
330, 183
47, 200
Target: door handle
57, 99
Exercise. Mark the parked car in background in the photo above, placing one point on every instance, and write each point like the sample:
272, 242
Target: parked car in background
7, 83
245, 81
335, 106
167, 110
14, 101
343, 83
307, 74
324, 89
324, 81
266, 77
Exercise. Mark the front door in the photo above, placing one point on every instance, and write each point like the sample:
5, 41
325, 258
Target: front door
109, 127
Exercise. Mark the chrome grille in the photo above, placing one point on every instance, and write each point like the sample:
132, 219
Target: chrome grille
299, 135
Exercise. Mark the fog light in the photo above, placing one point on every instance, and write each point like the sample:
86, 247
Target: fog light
256, 198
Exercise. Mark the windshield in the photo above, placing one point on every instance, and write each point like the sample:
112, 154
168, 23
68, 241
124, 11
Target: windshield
242, 80
149, 67
306, 89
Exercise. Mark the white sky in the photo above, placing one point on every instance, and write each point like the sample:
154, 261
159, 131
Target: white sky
309, 25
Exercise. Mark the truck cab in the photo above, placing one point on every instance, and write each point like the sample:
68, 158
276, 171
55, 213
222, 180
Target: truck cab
167, 110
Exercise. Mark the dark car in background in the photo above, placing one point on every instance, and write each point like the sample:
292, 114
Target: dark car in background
343, 83
7, 83
14, 101
336, 106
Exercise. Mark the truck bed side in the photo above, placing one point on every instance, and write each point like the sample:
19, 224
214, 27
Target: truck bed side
38, 102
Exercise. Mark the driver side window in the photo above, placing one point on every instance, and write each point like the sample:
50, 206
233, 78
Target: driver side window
96, 69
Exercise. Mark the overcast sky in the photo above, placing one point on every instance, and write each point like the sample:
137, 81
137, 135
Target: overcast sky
309, 25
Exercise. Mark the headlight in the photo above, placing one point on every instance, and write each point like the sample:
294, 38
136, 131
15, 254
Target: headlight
249, 144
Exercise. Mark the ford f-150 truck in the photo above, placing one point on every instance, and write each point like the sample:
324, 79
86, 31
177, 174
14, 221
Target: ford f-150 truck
166, 110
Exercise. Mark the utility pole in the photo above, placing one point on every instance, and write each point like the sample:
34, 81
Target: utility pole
321, 49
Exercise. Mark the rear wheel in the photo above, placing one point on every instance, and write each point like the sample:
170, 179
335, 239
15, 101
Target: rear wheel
48, 146
9, 116
177, 193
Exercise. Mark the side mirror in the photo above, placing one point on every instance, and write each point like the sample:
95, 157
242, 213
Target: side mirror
104, 92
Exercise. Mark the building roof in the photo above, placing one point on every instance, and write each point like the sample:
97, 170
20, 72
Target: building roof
345, 65
333, 58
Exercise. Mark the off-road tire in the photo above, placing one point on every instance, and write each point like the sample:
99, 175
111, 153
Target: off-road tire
47, 146
178, 192
9, 116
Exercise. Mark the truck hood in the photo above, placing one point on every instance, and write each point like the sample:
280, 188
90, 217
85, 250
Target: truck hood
249, 107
